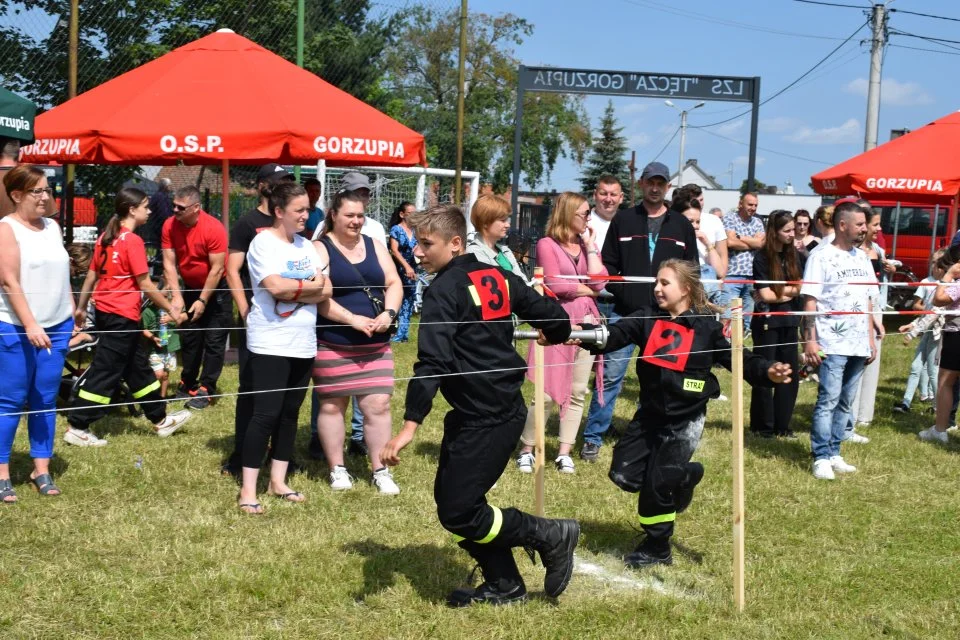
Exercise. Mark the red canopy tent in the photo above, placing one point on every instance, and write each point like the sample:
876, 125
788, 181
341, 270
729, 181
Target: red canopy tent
221, 98
921, 167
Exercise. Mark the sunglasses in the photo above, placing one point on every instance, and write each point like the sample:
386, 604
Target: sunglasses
286, 314
183, 207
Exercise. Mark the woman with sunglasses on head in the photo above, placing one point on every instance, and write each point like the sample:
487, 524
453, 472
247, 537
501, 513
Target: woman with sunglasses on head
36, 319
568, 248
117, 279
776, 337
288, 280
804, 240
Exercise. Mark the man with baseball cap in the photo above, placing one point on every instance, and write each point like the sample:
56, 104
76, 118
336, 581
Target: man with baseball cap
242, 233
638, 241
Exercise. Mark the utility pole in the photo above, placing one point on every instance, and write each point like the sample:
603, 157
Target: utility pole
878, 20
683, 137
70, 170
633, 178
300, 12
461, 90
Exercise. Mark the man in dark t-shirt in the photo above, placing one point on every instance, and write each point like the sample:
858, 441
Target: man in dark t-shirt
242, 233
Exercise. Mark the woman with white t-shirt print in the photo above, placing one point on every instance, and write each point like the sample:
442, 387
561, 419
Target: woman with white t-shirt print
288, 281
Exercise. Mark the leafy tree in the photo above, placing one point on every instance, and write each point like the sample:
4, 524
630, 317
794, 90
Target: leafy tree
757, 186
609, 154
422, 75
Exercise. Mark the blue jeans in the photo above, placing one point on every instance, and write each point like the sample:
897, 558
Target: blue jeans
714, 291
32, 380
742, 291
839, 379
923, 370
615, 366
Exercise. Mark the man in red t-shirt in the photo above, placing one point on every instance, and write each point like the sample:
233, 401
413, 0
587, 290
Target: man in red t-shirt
194, 247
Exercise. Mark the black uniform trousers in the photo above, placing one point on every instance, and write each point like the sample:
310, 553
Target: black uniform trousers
472, 459
117, 358
651, 458
244, 411
771, 410
205, 342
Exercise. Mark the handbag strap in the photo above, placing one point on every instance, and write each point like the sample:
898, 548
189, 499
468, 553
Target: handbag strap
374, 301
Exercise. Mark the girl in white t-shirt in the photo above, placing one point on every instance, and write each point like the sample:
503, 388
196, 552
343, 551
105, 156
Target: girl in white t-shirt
288, 281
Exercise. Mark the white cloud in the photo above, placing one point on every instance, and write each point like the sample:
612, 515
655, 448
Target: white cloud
778, 124
742, 161
731, 127
637, 140
892, 92
635, 107
846, 133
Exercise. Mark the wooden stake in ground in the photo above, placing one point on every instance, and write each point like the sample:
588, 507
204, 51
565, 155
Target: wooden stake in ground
736, 399
539, 415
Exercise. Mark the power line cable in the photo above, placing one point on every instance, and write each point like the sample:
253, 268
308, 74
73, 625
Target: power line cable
940, 41
916, 13
833, 4
792, 84
655, 158
903, 46
773, 151
715, 20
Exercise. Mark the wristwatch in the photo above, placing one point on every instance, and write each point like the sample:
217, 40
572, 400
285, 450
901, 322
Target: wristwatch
391, 313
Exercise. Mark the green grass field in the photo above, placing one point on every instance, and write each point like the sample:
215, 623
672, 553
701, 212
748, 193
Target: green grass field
162, 551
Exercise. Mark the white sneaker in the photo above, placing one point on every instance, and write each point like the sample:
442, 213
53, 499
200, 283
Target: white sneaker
722, 398
525, 463
838, 464
856, 438
172, 422
340, 480
81, 438
565, 464
383, 481
932, 435
823, 470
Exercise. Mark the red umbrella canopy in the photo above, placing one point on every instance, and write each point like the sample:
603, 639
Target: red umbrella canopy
220, 98
920, 167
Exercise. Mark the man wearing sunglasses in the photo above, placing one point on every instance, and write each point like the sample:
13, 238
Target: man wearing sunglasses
194, 245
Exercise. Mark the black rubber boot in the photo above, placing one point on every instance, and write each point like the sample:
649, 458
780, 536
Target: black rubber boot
683, 494
649, 552
502, 583
555, 541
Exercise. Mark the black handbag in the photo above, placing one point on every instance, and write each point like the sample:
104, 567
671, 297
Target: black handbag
377, 302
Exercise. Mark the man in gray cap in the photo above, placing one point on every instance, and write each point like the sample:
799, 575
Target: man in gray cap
359, 182
638, 240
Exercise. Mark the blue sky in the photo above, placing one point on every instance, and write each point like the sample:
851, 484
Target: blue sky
821, 119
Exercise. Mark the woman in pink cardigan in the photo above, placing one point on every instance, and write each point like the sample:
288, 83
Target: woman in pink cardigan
568, 249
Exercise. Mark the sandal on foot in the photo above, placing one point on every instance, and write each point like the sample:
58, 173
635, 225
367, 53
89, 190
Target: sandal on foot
7, 492
251, 508
44, 485
292, 496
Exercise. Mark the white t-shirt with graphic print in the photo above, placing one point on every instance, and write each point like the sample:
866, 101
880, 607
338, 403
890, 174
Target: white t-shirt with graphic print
843, 335
268, 332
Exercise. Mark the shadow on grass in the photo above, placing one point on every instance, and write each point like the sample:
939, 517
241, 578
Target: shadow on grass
794, 451
21, 466
120, 422
427, 449
620, 538
432, 570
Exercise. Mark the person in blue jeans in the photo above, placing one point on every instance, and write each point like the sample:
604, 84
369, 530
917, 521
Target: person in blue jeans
356, 447
36, 320
841, 344
745, 235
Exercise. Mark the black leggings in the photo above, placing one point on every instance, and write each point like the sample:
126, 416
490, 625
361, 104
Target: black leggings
771, 410
274, 414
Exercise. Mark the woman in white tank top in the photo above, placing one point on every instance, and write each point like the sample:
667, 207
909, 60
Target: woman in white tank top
36, 320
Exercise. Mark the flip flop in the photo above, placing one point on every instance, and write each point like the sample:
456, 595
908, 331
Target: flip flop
6, 491
289, 497
45, 486
251, 508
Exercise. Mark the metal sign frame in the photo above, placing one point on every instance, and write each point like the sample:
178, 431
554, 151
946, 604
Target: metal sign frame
639, 84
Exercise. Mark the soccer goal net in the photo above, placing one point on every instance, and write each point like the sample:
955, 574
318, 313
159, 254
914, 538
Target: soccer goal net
389, 186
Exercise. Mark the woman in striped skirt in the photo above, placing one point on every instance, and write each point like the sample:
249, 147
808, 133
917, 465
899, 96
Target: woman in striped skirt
353, 341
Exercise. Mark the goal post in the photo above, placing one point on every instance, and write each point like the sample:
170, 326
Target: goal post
389, 186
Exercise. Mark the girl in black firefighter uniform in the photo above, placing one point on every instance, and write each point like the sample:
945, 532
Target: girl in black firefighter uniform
117, 277
466, 351
679, 344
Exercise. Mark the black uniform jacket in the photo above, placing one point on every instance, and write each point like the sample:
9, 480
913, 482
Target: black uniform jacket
626, 252
676, 355
466, 328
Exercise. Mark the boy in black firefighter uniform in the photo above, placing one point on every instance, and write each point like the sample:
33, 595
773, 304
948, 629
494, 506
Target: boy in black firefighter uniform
465, 350
680, 343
